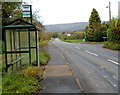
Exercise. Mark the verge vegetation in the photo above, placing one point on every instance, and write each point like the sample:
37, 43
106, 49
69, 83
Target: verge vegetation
113, 35
74, 41
44, 56
26, 81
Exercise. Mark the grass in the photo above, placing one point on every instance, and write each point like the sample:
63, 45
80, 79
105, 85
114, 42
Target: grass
26, 81
74, 41
111, 45
43, 43
81, 40
44, 57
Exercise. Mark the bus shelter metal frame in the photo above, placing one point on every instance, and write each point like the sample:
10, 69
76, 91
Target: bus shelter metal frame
31, 28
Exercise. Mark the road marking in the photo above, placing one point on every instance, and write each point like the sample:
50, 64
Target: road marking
113, 61
96, 85
77, 47
104, 76
115, 77
88, 71
91, 53
110, 81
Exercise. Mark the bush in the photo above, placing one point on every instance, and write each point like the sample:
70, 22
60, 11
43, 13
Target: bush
113, 33
111, 45
25, 82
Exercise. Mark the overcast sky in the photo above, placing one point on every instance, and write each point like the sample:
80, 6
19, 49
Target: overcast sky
70, 11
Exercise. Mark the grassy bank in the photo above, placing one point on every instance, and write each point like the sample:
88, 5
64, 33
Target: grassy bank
43, 43
74, 41
24, 81
111, 45
81, 40
44, 56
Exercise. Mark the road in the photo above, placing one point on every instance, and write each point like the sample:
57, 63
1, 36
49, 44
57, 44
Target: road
94, 66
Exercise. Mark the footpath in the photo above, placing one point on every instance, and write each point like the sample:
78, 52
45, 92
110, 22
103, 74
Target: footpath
58, 75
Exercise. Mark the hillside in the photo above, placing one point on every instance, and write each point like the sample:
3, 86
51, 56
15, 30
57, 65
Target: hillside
66, 27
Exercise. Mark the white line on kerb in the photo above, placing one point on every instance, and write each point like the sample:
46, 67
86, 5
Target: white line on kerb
113, 61
91, 53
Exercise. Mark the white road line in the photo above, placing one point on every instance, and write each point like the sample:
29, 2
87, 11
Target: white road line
91, 53
115, 78
113, 61
67, 63
110, 81
77, 47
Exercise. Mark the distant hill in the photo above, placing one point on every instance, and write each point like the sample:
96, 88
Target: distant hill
66, 27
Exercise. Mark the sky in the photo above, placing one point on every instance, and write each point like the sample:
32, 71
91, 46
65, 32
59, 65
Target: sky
71, 11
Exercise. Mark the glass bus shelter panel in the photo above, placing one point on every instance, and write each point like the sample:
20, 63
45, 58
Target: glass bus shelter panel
24, 43
17, 40
16, 64
9, 40
32, 39
33, 56
12, 40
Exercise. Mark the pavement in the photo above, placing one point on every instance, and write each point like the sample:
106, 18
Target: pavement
58, 75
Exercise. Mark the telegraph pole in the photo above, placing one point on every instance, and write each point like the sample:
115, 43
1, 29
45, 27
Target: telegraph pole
119, 9
109, 11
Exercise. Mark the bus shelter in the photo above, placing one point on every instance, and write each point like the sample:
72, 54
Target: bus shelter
21, 44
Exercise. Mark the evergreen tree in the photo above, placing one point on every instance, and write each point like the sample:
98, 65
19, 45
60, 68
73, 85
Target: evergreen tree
94, 26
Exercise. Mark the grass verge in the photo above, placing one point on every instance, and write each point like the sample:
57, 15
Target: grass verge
26, 81
81, 40
111, 45
74, 41
43, 43
44, 56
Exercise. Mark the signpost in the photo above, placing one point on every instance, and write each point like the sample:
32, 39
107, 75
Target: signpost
27, 11
104, 38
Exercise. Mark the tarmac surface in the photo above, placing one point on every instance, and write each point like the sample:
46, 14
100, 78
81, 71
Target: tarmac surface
81, 68
58, 76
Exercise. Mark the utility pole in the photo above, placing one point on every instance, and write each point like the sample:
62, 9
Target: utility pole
119, 9
109, 11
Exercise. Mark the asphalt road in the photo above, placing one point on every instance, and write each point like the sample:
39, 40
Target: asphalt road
95, 67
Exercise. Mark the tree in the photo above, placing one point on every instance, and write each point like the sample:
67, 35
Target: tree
94, 26
10, 11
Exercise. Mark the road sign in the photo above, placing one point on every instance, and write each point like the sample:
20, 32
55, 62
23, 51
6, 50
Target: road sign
26, 11
104, 37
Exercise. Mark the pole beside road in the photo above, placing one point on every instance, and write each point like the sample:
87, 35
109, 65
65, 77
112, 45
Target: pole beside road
119, 9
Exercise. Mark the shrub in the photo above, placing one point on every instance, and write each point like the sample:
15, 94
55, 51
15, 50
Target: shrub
112, 45
44, 57
113, 33
26, 81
